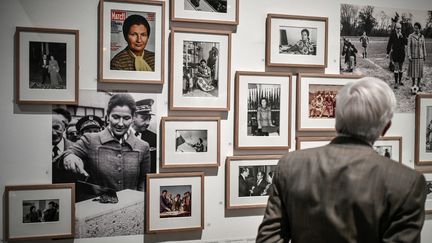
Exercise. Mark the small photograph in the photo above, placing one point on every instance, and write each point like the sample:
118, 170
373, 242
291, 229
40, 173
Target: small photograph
200, 69
298, 40
47, 65
429, 129
191, 141
385, 151
219, 6
263, 109
429, 189
255, 180
175, 201
322, 100
38, 211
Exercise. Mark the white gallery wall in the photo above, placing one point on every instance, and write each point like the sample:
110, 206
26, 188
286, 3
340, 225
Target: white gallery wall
25, 131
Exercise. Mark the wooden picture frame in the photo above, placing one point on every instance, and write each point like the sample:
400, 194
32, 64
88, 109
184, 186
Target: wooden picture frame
423, 128
190, 186
309, 118
46, 66
116, 60
242, 190
226, 13
202, 83
53, 216
254, 128
190, 142
286, 46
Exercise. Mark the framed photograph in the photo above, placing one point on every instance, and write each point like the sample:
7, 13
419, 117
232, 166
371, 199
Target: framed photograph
428, 204
423, 129
296, 41
131, 41
190, 142
262, 110
206, 11
35, 212
312, 142
202, 82
248, 180
316, 100
175, 202
46, 66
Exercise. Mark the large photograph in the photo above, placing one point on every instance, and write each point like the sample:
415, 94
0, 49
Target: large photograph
391, 44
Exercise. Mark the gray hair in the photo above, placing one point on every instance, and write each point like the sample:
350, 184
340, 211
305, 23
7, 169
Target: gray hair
364, 108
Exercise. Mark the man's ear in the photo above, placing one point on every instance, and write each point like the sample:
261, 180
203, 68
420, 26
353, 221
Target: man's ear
386, 128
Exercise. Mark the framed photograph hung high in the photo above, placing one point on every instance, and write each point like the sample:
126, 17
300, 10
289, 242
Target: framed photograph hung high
262, 110
190, 142
131, 41
296, 41
184, 212
46, 65
35, 212
423, 129
201, 83
316, 100
248, 180
206, 11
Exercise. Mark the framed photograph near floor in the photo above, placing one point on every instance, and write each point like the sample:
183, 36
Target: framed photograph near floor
202, 82
248, 180
423, 129
131, 41
35, 212
316, 100
262, 110
174, 202
296, 41
190, 142
46, 65
206, 11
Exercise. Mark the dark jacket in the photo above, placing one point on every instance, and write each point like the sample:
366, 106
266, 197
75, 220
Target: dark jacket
396, 45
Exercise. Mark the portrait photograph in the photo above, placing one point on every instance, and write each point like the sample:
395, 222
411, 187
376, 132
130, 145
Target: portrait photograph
423, 128
201, 69
40, 211
190, 142
133, 33
296, 41
322, 100
202, 82
391, 44
205, 11
262, 110
47, 70
174, 202
249, 180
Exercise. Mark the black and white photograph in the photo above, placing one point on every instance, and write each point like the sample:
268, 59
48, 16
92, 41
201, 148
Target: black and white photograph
255, 180
322, 100
391, 44
428, 129
263, 114
429, 190
192, 141
298, 40
38, 211
47, 65
200, 69
175, 201
385, 151
219, 6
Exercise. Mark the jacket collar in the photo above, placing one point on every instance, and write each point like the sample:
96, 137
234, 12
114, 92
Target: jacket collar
344, 139
106, 137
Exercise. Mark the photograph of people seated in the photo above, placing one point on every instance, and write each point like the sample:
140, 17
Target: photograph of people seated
175, 201
37, 211
298, 41
191, 141
219, 6
322, 100
255, 180
200, 69
263, 110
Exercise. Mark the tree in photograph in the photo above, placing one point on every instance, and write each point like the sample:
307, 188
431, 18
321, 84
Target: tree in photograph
366, 19
428, 27
348, 18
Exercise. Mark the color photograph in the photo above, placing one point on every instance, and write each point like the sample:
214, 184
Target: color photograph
175, 201
322, 100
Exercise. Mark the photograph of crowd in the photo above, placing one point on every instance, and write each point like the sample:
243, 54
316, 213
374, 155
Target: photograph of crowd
385, 151
322, 100
175, 201
263, 109
200, 69
391, 44
255, 180
37, 211
219, 6
191, 141
298, 40
47, 65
